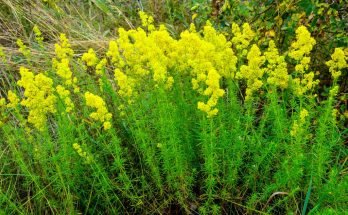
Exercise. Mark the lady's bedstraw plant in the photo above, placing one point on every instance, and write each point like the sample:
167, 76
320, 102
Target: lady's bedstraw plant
198, 122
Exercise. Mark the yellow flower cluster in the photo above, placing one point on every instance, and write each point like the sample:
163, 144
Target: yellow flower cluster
300, 49
13, 98
252, 72
62, 63
88, 158
114, 53
23, 49
64, 94
276, 67
100, 66
90, 58
63, 50
101, 114
296, 128
301, 86
137, 54
337, 63
147, 21
63, 70
40, 99
38, 36
213, 91
303, 45
242, 39
206, 59
223, 52
125, 84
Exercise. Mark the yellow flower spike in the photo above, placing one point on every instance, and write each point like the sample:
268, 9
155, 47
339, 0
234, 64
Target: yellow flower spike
337, 63
242, 39
101, 114
100, 66
13, 98
276, 68
303, 45
213, 90
63, 50
252, 72
23, 49
303, 114
194, 16
334, 91
38, 36
299, 51
113, 52
90, 57
2, 102
125, 84
147, 21
83, 154
40, 100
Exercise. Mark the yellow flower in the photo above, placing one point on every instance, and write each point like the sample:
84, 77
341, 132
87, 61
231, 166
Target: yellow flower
88, 158
334, 91
299, 51
303, 114
252, 72
2, 102
213, 91
90, 57
113, 52
242, 39
101, 114
23, 49
38, 35
147, 21
13, 98
303, 45
63, 50
100, 66
125, 84
63, 70
39, 97
337, 63
276, 67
